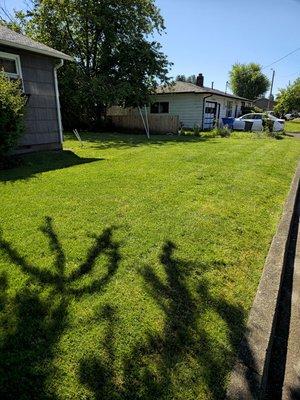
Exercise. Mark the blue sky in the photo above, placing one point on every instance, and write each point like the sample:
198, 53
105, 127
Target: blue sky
209, 36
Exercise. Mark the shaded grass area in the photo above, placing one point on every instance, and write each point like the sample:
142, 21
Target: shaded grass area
292, 126
128, 266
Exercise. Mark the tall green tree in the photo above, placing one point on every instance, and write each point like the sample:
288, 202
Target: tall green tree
288, 99
247, 80
189, 79
115, 59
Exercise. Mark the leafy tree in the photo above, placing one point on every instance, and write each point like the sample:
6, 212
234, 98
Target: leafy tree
180, 78
115, 61
12, 105
288, 99
247, 80
189, 79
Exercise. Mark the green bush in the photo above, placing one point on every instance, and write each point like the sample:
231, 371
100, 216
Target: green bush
12, 105
197, 130
209, 134
223, 132
276, 135
268, 124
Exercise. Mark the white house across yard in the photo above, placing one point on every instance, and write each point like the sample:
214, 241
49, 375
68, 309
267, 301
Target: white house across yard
194, 104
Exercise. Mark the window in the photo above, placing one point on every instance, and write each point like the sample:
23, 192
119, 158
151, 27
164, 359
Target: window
210, 110
11, 65
229, 109
161, 107
257, 116
248, 116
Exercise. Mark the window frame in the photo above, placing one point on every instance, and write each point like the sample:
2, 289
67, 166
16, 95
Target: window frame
229, 108
17, 60
159, 107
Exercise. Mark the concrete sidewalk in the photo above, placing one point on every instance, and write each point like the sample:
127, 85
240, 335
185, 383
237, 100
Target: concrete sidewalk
296, 135
291, 386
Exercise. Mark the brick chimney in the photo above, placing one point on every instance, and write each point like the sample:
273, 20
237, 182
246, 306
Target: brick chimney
200, 80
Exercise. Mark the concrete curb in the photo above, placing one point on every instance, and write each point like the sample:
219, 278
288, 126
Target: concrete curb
248, 377
291, 385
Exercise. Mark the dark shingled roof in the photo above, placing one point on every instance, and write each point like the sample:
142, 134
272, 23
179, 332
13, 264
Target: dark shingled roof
185, 87
14, 39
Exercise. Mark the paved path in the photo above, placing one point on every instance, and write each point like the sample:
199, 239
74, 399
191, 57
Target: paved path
291, 386
295, 134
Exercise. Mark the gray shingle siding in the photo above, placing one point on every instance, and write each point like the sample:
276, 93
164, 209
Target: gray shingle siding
41, 120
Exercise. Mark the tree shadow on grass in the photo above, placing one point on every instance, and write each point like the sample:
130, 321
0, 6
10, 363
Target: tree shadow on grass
184, 355
105, 141
32, 323
34, 164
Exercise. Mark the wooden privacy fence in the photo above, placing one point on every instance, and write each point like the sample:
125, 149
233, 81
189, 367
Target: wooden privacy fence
157, 123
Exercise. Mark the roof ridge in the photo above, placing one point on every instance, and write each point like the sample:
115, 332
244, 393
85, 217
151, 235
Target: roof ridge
15, 39
188, 87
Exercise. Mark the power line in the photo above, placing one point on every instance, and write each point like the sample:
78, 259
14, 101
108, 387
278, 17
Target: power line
282, 58
289, 75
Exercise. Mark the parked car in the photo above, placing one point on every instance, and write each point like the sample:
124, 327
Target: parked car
291, 116
254, 122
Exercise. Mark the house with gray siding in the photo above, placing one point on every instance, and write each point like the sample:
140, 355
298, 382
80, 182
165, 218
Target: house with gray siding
35, 65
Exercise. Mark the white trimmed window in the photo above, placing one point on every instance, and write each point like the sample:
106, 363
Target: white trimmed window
11, 65
160, 107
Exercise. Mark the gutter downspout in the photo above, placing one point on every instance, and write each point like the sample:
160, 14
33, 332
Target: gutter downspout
60, 128
203, 110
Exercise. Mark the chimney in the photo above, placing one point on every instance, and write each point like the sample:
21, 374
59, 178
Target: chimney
200, 80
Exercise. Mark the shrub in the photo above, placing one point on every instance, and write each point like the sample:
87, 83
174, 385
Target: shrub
268, 124
12, 105
276, 135
223, 132
197, 130
209, 134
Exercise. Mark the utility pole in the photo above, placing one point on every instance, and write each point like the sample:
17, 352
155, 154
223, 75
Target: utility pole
271, 90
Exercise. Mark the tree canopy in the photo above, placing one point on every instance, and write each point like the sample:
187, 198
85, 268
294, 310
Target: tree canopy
247, 80
288, 99
115, 59
189, 79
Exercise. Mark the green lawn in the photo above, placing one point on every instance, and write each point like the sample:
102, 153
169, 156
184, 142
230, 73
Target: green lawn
292, 126
128, 267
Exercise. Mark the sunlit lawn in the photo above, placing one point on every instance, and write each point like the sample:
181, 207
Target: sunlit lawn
128, 267
293, 126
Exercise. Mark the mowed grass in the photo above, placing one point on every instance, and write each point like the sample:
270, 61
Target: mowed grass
292, 126
128, 267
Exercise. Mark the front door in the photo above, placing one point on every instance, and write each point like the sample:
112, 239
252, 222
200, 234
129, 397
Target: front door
210, 112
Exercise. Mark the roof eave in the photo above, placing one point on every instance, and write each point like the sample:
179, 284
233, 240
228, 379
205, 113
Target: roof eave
48, 53
213, 94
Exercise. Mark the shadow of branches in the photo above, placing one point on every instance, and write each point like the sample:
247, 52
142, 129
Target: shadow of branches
32, 324
175, 361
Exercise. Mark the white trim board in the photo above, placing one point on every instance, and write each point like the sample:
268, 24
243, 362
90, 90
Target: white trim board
16, 58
